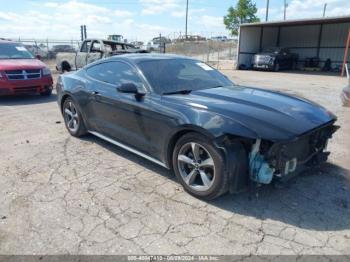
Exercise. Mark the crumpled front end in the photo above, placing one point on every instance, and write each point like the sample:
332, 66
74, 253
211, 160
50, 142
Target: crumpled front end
282, 160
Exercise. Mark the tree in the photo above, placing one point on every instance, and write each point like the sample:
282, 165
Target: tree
244, 12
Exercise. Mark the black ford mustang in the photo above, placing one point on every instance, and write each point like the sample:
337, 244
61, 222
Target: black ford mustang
184, 115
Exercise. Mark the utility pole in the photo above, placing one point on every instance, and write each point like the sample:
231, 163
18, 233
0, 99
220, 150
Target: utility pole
186, 19
285, 10
324, 10
85, 35
267, 10
82, 33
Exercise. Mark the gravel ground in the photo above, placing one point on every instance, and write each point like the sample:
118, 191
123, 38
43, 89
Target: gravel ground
59, 194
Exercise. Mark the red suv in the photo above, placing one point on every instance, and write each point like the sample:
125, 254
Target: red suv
21, 72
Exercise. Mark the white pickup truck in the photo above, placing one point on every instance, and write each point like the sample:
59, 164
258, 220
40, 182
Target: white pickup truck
92, 50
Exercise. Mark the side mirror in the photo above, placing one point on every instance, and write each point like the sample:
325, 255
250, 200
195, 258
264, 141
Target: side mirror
127, 88
38, 57
130, 88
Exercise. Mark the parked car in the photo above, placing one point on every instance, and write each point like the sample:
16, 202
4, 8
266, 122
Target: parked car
61, 49
275, 59
345, 96
184, 115
92, 50
21, 72
153, 46
36, 51
219, 38
137, 44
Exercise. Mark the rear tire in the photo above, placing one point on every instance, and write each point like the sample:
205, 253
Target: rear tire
73, 119
200, 167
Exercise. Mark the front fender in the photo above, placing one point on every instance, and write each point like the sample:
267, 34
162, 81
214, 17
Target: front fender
213, 126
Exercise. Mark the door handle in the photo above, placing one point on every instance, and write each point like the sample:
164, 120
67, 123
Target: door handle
95, 93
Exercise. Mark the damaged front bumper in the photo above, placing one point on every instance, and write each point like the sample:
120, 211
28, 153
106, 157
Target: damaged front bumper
283, 160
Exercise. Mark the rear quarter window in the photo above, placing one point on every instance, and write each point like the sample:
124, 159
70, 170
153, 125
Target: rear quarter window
115, 73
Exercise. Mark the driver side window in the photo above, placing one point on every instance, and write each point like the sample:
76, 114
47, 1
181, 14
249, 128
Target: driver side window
96, 46
115, 73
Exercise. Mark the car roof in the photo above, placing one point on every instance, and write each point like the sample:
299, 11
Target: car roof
137, 58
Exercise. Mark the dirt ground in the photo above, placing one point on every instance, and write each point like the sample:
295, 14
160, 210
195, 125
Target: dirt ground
59, 194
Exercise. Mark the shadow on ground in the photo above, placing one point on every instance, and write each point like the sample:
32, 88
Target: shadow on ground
318, 199
26, 99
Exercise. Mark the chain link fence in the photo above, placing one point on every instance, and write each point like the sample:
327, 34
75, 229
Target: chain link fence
219, 54
46, 49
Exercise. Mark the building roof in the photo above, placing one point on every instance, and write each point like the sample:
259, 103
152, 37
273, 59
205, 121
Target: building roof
310, 21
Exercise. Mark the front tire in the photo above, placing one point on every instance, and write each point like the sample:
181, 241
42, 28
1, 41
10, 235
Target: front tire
73, 118
199, 166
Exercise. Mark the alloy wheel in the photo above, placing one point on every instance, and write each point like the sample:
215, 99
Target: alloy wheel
71, 117
196, 166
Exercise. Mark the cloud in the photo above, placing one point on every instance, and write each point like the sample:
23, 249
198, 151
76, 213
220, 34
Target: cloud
301, 9
153, 7
314, 8
208, 21
51, 4
123, 13
62, 21
272, 12
182, 13
9, 16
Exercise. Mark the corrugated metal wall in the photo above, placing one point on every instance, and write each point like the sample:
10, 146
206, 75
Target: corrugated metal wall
303, 40
249, 42
270, 36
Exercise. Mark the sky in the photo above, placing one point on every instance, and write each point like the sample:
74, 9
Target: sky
139, 19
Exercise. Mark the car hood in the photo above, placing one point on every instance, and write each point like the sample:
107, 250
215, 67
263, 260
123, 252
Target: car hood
20, 64
270, 115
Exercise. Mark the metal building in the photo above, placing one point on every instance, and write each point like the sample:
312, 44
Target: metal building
324, 38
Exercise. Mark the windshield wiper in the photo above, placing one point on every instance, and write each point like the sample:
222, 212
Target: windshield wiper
183, 92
